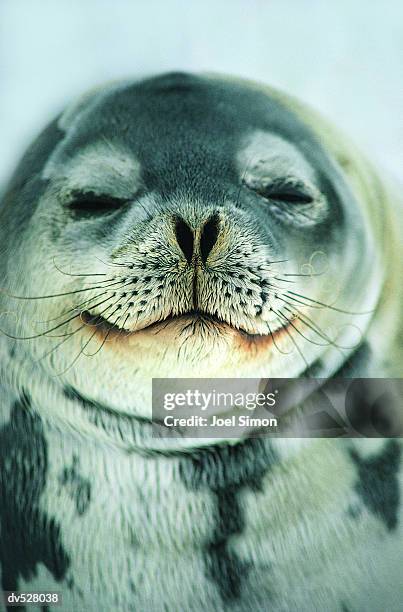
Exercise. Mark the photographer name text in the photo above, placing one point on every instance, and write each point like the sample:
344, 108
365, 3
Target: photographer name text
217, 421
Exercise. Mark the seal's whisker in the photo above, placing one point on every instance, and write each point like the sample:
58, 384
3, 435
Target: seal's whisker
269, 263
100, 346
128, 303
77, 307
95, 316
331, 306
44, 333
315, 327
103, 283
82, 351
296, 301
331, 342
117, 323
322, 304
301, 317
283, 280
108, 333
77, 356
275, 343
68, 335
310, 275
112, 264
311, 325
122, 327
43, 297
70, 274
37, 335
293, 339
65, 338
281, 314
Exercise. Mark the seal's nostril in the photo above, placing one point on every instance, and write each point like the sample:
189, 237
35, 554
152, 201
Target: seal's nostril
184, 236
209, 236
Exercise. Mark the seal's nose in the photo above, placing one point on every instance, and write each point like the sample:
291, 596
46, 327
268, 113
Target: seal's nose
185, 237
209, 236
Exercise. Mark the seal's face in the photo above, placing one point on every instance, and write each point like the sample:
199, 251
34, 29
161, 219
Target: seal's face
188, 226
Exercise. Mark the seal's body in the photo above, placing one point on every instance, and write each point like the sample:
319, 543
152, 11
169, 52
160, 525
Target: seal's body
173, 227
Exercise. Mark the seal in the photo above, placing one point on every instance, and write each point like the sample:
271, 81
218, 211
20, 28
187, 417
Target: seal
194, 226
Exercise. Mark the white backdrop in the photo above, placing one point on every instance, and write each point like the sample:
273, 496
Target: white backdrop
344, 57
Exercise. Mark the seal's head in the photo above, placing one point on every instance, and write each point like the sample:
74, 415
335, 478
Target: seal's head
185, 226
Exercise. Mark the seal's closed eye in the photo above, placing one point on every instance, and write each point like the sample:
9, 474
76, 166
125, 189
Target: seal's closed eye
284, 191
86, 204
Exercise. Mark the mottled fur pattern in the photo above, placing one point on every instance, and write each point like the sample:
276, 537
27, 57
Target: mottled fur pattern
146, 201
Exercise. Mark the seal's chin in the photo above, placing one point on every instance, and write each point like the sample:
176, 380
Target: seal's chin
192, 345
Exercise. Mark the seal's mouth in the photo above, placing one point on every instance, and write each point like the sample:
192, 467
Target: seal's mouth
194, 320
193, 315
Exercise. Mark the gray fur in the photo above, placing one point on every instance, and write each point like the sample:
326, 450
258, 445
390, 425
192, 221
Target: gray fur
144, 211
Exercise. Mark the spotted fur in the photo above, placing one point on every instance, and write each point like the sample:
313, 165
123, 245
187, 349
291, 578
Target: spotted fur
154, 214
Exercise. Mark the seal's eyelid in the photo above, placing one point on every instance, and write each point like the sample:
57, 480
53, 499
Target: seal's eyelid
288, 190
89, 203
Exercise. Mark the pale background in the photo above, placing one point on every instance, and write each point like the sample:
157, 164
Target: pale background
344, 57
